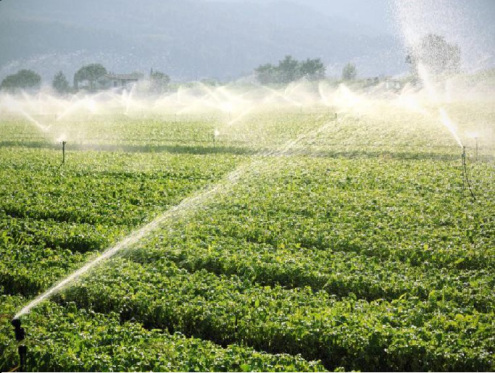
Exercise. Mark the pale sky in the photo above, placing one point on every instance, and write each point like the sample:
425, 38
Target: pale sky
191, 39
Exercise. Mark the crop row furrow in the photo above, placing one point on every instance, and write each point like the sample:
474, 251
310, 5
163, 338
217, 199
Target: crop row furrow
98, 342
442, 249
71, 236
339, 276
352, 333
192, 245
28, 270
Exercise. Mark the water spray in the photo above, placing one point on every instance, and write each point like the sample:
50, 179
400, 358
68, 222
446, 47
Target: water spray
216, 133
447, 122
20, 334
187, 204
476, 149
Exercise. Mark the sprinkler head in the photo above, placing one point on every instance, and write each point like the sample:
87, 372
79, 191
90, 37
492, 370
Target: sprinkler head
20, 333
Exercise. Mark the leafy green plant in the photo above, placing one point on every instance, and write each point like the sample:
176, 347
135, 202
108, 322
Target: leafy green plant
346, 240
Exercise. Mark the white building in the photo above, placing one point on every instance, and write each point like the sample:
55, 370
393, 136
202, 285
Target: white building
112, 80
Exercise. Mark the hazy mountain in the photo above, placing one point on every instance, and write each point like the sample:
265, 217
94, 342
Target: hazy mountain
186, 39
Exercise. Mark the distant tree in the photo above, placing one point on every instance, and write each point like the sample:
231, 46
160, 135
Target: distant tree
159, 81
289, 70
266, 74
349, 72
60, 83
436, 55
90, 73
312, 69
23, 79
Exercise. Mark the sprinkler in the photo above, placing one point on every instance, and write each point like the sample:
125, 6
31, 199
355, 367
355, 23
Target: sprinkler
465, 175
20, 333
63, 151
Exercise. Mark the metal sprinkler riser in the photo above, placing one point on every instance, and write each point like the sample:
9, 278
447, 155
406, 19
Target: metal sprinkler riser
465, 176
20, 334
63, 151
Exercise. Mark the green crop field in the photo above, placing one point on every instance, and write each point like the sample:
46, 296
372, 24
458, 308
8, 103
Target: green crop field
286, 239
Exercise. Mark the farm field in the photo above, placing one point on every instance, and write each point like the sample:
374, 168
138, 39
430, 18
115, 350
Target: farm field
304, 238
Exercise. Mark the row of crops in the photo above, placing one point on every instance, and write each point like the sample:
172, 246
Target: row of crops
340, 250
70, 339
373, 129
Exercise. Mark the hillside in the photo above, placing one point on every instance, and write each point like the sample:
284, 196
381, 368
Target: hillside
187, 39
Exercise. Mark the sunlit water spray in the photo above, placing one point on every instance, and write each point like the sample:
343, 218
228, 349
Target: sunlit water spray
187, 205
15, 106
31, 120
425, 78
434, 97
447, 122
124, 244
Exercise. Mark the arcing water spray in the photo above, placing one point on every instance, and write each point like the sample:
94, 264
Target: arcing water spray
447, 122
186, 205
451, 127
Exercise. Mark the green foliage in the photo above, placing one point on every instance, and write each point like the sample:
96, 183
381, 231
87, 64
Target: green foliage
56, 222
70, 339
312, 69
289, 70
349, 72
60, 83
357, 248
8, 349
23, 79
266, 74
90, 73
397, 335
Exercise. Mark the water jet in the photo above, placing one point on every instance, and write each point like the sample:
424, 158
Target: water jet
476, 149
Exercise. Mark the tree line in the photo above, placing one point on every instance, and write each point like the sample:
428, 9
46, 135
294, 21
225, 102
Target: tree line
433, 52
88, 74
289, 70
